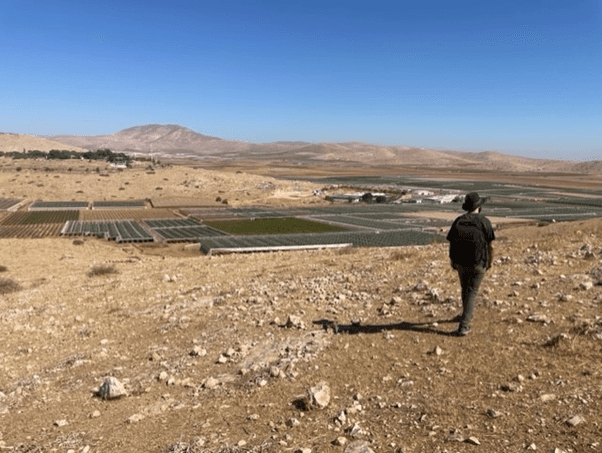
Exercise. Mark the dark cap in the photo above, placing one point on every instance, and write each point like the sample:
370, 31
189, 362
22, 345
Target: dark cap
472, 202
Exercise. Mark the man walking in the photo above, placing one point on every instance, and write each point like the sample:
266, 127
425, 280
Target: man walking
471, 254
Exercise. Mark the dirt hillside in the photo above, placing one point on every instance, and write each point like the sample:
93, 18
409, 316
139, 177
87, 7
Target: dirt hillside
21, 142
221, 354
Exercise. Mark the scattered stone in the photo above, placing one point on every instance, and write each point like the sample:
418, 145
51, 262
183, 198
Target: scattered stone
586, 286
319, 396
135, 418
210, 383
396, 300
341, 418
532, 446
95, 414
472, 441
355, 430
111, 388
576, 420
198, 351
61, 423
359, 446
163, 376
455, 436
340, 441
302, 450
564, 297
292, 422
547, 397
493, 413
294, 322
354, 408
511, 387
536, 317
555, 340
436, 351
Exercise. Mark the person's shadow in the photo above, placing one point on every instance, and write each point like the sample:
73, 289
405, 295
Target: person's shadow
356, 327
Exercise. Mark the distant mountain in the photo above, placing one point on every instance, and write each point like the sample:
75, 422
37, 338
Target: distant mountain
150, 138
178, 141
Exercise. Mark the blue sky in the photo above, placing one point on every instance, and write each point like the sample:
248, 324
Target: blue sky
521, 77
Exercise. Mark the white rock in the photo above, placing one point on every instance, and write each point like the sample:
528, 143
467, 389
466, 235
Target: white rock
340, 441
355, 430
211, 383
198, 351
493, 413
319, 396
135, 418
292, 422
359, 446
61, 423
473, 441
295, 322
111, 388
576, 420
163, 376
586, 286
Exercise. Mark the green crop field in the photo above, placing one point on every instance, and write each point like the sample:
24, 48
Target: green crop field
286, 225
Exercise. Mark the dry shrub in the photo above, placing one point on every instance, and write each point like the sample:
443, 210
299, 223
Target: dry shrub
403, 255
8, 285
102, 269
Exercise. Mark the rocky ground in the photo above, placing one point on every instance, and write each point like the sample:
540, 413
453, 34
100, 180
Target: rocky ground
313, 351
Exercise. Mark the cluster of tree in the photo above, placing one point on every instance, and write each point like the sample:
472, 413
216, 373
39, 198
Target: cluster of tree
100, 154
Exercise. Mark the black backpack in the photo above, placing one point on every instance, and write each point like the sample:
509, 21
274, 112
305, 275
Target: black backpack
468, 244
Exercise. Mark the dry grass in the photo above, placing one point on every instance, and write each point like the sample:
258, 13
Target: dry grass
102, 269
8, 285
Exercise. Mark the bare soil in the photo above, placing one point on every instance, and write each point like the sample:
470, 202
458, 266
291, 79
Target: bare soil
210, 363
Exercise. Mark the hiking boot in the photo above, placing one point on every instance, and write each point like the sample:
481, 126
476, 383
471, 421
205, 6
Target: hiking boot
461, 332
456, 318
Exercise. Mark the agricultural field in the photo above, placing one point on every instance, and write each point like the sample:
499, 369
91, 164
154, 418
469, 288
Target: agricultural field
7, 203
126, 214
282, 225
38, 217
351, 238
119, 204
58, 205
119, 231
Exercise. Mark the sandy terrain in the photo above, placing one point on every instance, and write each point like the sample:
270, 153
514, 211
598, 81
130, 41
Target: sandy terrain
218, 354
89, 181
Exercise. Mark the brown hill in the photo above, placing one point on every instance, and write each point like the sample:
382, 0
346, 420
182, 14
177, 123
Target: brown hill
178, 141
21, 142
150, 138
